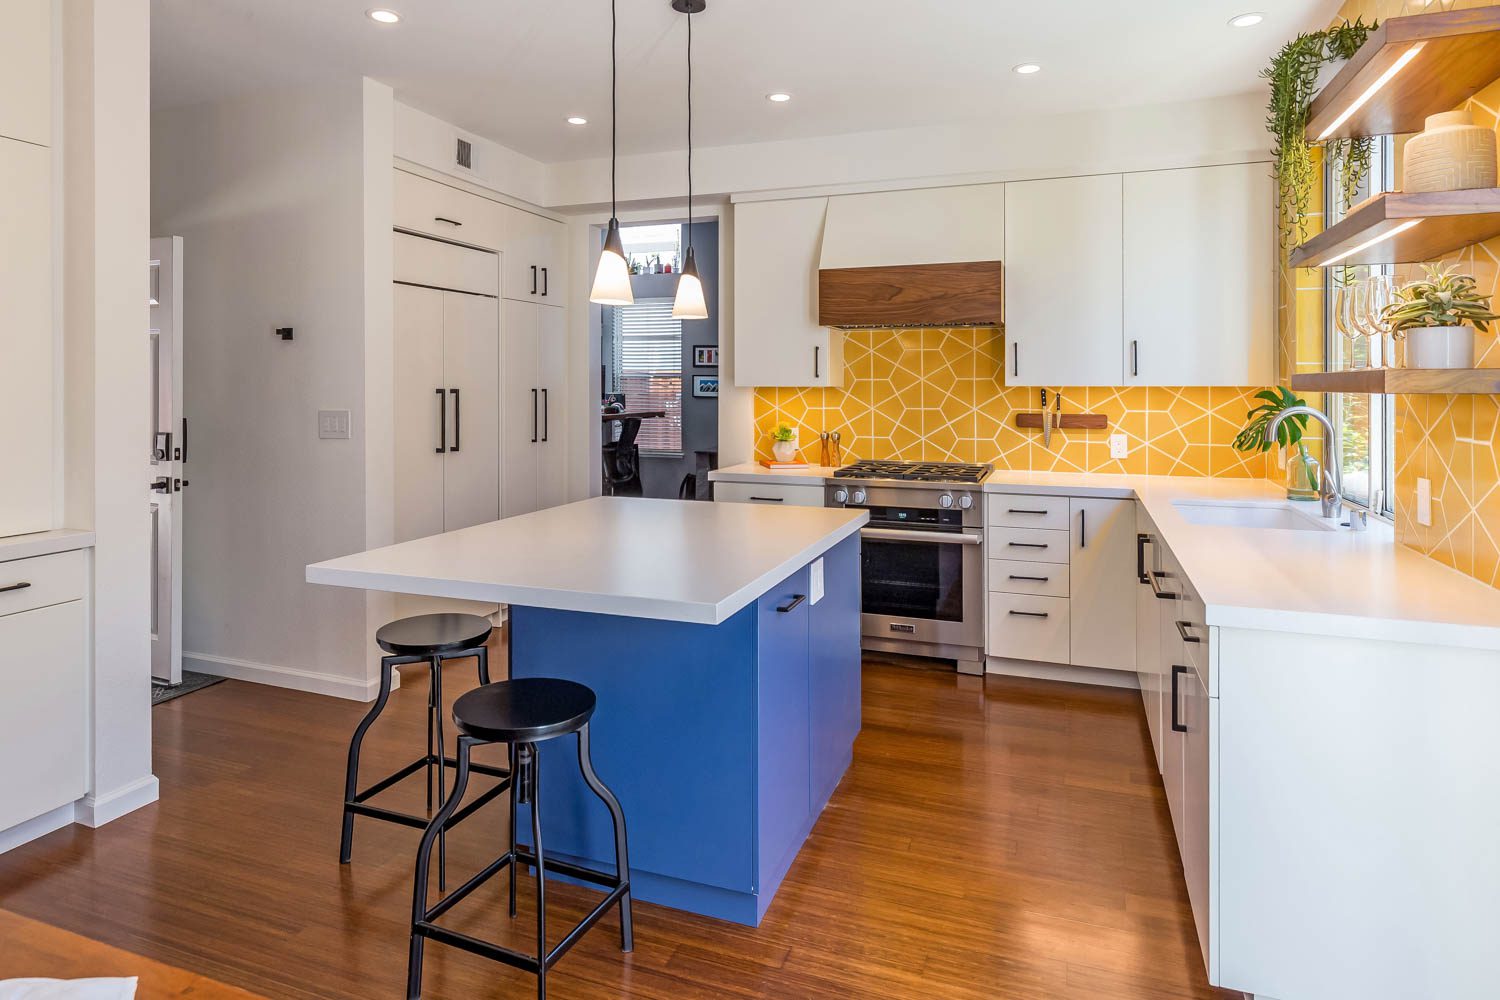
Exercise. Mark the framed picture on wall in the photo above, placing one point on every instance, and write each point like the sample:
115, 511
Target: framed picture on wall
706, 386
705, 356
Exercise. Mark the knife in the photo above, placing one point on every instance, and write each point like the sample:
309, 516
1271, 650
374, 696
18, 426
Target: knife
1046, 423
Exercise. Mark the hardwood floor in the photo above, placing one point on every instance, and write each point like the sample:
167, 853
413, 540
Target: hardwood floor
1000, 839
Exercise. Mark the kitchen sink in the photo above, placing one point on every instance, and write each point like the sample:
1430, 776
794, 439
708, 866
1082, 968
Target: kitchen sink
1228, 514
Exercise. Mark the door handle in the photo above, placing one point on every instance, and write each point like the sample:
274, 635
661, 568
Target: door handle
544, 282
1135, 358
182, 445
1141, 541
161, 485
533, 416
1177, 725
1083, 529
458, 422
1015, 360
533, 279
15, 586
817, 354
442, 422
546, 417
791, 605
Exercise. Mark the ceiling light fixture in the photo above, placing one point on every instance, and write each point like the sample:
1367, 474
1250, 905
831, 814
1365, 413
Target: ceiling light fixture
778, 98
1370, 91
1026, 69
577, 120
1247, 20
612, 278
381, 15
690, 302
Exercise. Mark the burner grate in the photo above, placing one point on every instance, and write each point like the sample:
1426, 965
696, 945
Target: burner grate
919, 472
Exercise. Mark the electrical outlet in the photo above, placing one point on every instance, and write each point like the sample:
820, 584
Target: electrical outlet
1424, 502
1119, 446
333, 424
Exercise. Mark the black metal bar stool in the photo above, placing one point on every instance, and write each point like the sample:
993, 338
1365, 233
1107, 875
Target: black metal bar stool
522, 713
429, 639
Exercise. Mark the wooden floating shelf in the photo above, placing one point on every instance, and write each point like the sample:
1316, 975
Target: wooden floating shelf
1413, 381
1065, 421
1459, 55
1399, 228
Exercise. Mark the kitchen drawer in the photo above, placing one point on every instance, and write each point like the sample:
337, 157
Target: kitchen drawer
1029, 544
44, 713
1029, 628
424, 206
1010, 576
1021, 511
42, 581
435, 264
787, 495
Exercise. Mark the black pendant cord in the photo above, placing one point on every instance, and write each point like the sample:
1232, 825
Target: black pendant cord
690, 130
613, 106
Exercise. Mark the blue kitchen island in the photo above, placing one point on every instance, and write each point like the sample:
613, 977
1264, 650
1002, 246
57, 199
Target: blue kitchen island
722, 641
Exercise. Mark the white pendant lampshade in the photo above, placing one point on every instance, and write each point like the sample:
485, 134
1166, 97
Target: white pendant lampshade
689, 303
612, 279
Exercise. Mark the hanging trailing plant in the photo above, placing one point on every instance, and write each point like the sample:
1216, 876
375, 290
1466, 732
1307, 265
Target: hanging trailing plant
1293, 74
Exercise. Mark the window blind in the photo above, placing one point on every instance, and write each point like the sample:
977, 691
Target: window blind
647, 344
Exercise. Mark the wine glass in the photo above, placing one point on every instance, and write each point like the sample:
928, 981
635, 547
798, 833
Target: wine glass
1365, 318
1345, 295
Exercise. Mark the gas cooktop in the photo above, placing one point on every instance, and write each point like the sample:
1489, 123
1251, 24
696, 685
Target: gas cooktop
916, 472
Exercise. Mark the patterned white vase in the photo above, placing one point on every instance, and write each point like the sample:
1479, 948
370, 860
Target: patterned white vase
1450, 154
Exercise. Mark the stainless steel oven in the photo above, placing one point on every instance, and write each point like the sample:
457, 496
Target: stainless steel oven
922, 569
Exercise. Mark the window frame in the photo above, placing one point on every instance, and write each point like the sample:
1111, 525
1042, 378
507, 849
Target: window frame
614, 377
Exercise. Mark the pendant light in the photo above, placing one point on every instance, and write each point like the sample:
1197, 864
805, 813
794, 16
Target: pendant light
689, 303
612, 279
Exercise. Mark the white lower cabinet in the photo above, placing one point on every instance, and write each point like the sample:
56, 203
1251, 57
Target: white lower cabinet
1147, 629
1029, 628
785, 494
1101, 558
1193, 836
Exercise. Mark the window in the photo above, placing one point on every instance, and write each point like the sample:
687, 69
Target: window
646, 349
1367, 423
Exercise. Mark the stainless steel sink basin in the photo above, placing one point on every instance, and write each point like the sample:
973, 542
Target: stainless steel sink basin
1273, 516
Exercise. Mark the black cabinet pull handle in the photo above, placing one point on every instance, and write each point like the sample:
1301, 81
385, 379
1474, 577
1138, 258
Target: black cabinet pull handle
544, 282
533, 279
1029, 614
1083, 529
442, 422
1033, 579
1182, 630
1177, 725
1023, 510
1156, 577
768, 499
1028, 545
14, 587
451, 222
546, 417
1135, 358
790, 605
1141, 541
458, 422
533, 416
1015, 359
817, 355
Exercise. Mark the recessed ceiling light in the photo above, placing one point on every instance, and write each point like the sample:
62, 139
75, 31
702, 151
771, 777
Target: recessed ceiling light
1246, 20
1026, 69
383, 16
576, 120
779, 98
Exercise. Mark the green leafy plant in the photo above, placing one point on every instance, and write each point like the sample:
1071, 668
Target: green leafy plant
1293, 74
1443, 298
1252, 437
784, 433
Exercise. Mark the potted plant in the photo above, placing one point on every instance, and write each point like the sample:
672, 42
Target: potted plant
784, 442
1438, 315
1301, 468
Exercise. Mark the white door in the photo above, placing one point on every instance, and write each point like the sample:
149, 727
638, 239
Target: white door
1101, 576
1063, 274
1200, 276
471, 373
168, 455
422, 430
520, 395
552, 373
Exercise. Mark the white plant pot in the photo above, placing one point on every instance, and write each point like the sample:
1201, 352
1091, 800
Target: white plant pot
1440, 347
784, 451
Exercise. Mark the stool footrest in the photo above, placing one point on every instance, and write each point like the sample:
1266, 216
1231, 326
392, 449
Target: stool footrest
360, 807
486, 949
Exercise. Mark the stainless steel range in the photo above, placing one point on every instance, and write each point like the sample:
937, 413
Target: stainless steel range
923, 556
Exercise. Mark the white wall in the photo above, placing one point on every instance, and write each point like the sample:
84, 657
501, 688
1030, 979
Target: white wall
269, 195
432, 142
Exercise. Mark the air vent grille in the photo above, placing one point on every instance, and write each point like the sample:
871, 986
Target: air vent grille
465, 154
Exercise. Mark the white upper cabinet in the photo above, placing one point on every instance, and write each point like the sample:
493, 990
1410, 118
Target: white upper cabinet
946, 225
427, 207
1063, 273
535, 248
1200, 276
777, 339
26, 72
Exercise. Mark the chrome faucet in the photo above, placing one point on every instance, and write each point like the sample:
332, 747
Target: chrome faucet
1331, 488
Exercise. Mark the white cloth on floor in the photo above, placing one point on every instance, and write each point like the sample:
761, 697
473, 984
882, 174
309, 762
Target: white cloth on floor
67, 989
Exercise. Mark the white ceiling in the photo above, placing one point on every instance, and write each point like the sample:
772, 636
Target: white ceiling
513, 71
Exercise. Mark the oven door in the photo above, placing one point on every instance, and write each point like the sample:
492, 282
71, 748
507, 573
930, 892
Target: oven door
923, 586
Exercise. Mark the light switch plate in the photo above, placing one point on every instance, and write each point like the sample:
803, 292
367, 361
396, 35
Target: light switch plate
333, 424
1119, 446
1424, 502
815, 584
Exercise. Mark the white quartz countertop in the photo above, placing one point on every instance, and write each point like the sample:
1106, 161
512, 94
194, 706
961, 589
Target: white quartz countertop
668, 559
754, 472
1341, 582
43, 543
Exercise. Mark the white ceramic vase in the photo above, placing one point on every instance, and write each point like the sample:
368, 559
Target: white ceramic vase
1450, 154
784, 451
1440, 347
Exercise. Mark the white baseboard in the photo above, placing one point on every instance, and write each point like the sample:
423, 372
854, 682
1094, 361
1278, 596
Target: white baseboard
23, 833
1061, 672
96, 810
294, 678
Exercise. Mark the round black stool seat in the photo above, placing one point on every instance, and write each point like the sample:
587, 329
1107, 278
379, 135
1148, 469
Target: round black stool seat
526, 710
426, 635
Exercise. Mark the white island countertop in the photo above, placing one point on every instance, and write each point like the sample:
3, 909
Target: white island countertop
674, 560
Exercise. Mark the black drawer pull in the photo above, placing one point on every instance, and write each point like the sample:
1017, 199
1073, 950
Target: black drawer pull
14, 586
1182, 630
1029, 614
1156, 577
768, 499
1029, 545
1033, 579
1018, 510
451, 222
792, 604
1141, 541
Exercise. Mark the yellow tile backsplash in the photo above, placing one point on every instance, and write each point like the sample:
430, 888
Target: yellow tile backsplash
940, 395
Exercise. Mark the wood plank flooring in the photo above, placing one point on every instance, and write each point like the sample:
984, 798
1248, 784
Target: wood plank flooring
994, 839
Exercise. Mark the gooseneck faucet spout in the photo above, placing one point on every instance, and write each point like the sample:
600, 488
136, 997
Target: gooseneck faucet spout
1332, 494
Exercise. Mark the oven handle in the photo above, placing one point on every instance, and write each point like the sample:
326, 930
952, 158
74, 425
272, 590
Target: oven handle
940, 537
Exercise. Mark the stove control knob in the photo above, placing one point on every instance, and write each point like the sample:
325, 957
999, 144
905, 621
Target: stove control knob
965, 502
840, 496
859, 496
945, 501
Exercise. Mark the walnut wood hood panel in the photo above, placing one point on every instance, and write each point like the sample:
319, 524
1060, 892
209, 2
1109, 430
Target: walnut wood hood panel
967, 294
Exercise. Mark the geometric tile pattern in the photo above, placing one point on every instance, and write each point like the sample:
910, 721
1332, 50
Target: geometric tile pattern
940, 395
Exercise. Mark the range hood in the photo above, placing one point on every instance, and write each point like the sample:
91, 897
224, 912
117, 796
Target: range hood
954, 294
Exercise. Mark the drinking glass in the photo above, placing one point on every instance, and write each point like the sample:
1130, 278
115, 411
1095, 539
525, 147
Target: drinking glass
1345, 295
1365, 319
1382, 290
